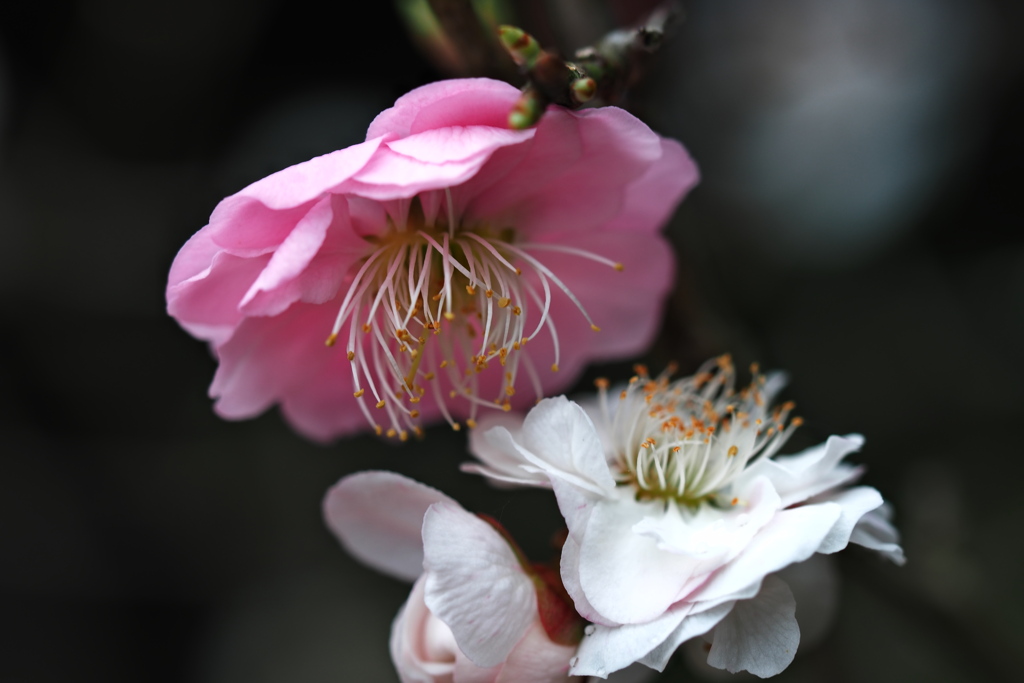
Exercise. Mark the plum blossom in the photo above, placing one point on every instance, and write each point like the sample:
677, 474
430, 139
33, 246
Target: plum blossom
477, 612
680, 514
420, 275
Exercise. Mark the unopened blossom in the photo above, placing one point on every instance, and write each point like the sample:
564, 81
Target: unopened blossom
478, 613
445, 265
681, 513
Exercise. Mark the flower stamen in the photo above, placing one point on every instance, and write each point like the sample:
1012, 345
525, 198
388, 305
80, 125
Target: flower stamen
456, 282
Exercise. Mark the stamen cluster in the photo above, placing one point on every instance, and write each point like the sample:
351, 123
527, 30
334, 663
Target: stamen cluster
445, 299
686, 440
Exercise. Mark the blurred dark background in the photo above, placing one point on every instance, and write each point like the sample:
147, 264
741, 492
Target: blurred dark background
858, 225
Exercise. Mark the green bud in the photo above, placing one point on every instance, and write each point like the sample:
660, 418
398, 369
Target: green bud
584, 89
526, 111
521, 45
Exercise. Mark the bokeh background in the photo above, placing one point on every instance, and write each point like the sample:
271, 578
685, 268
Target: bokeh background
858, 225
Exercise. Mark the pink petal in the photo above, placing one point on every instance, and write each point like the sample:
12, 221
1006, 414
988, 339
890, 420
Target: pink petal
496, 193
303, 183
626, 305
475, 584
456, 143
422, 648
431, 160
462, 102
537, 660
378, 516
760, 635
296, 251
268, 358
312, 262
207, 304
194, 257
652, 198
617, 149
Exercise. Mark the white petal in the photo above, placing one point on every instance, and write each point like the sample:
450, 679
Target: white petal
792, 536
501, 461
570, 570
814, 471
876, 532
815, 586
566, 444
635, 673
759, 635
378, 516
475, 584
610, 648
637, 559
625, 576
576, 505
692, 626
710, 534
855, 503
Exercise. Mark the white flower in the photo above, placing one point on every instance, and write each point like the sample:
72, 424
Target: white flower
679, 514
473, 615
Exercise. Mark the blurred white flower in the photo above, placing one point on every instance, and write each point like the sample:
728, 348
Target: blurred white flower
477, 613
679, 515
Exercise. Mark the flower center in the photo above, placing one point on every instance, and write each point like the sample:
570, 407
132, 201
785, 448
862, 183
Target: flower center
686, 440
439, 303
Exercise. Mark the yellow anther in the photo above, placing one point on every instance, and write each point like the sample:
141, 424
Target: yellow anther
471, 423
391, 433
470, 289
331, 339
601, 383
619, 267
378, 429
456, 427
359, 394
429, 376
510, 390
351, 355
403, 435
414, 413
733, 450
489, 293
380, 403
449, 316
516, 310
366, 327
503, 302
595, 328
554, 367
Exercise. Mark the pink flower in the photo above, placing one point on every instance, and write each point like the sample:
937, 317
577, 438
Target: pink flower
477, 613
428, 257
